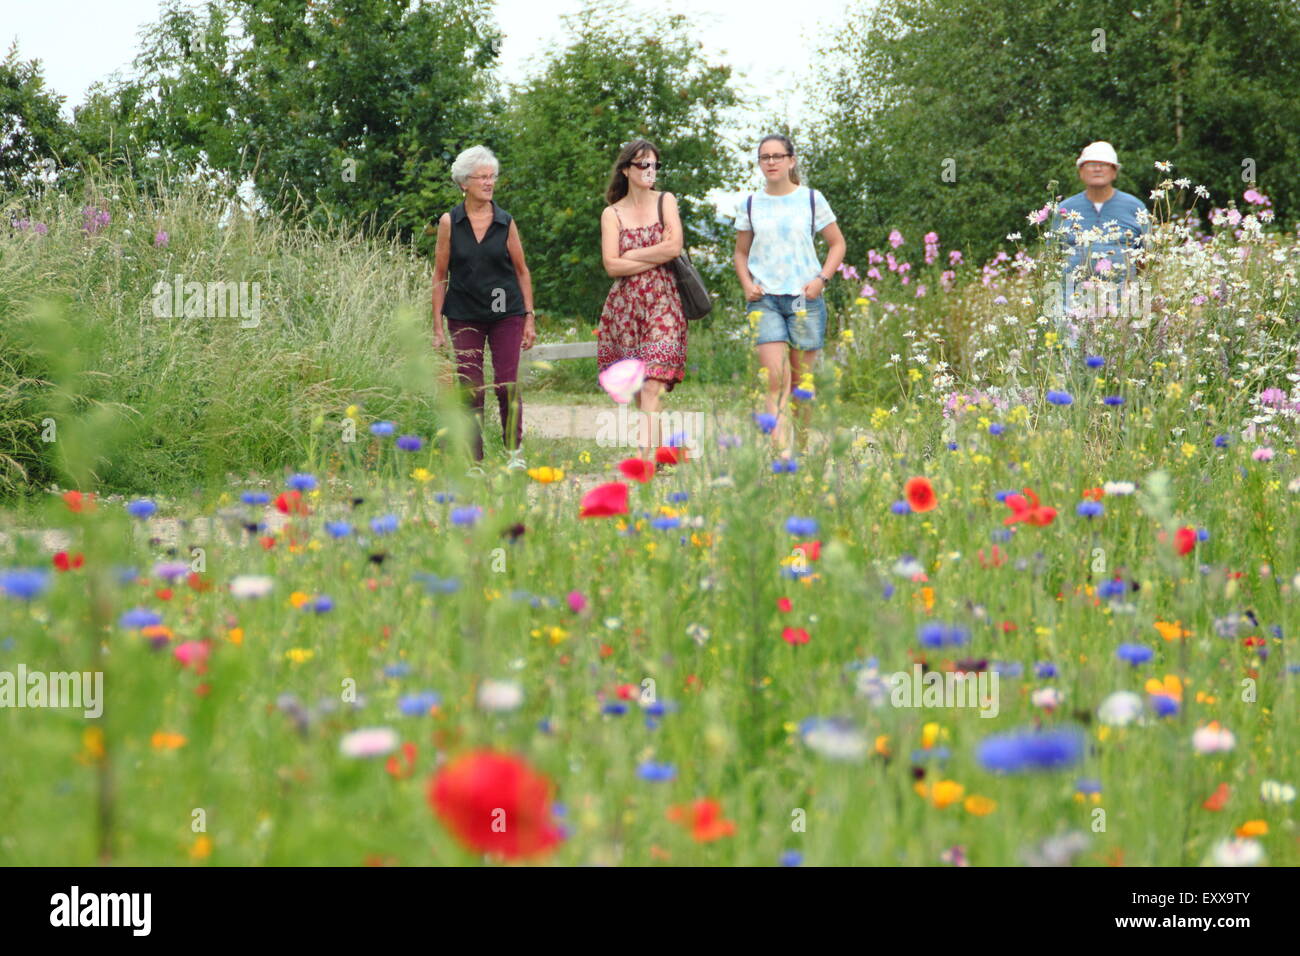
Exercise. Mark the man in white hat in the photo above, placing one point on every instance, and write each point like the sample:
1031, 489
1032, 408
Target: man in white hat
1102, 226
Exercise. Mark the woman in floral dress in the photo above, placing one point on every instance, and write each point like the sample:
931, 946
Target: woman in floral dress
641, 231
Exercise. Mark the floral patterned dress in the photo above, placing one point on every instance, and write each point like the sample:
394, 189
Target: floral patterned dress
643, 315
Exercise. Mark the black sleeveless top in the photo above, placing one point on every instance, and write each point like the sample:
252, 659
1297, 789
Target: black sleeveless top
482, 285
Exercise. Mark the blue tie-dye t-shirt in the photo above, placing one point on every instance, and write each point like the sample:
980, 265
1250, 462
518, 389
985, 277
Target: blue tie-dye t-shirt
782, 258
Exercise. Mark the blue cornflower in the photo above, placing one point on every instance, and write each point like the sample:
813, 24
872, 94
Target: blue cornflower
382, 428
801, 526
139, 617
656, 772
468, 515
1164, 705
1001, 534
24, 583
997, 428
765, 421
385, 524
730, 441
400, 669
1135, 654
802, 394
676, 439
784, 465
901, 507
791, 858
1202, 534
937, 634
1221, 441
666, 524
255, 498
301, 482
677, 497
436, 585
1112, 588
410, 442
1060, 398
1094, 361
442, 497
338, 529
418, 705
953, 446
1001, 496
888, 590
1051, 750
1113, 400
1087, 785
614, 708
141, 508
1089, 509
1007, 668
1044, 670
321, 605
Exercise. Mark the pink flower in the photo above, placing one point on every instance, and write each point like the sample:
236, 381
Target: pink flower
896, 238
192, 654
920, 291
1103, 265
1039, 216
868, 292
1262, 454
623, 379
1272, 396
160, 239
931, 238
874, 257
577, 603
874, 273
954, 257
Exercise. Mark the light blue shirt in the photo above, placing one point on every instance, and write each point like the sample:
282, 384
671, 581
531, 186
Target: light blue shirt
1117, 221
782, 258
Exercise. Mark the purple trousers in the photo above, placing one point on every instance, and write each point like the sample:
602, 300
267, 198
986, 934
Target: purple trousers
505, 338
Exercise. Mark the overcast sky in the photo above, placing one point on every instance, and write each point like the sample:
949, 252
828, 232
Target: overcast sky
769, 42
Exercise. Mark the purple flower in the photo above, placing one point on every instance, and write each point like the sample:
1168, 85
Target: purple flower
937, 634
1012, 753
410, 442
1059, 398
161, 239
1113, 400
765, 421
1094, 361
901, 507
382, 429
138, 618
467, 516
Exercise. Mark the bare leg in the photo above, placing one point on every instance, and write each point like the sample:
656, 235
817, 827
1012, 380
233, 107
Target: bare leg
648, 430
774, 356
800, 363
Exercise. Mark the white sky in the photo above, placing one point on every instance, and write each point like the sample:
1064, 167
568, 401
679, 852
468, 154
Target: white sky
769, 43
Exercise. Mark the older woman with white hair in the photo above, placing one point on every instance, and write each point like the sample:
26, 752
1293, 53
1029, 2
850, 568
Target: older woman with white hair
482, 286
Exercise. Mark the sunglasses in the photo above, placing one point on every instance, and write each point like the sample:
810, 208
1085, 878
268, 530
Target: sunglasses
644, 166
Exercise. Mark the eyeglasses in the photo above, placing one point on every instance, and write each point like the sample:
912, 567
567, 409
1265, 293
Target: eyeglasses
484, 179
643, 166
773, 157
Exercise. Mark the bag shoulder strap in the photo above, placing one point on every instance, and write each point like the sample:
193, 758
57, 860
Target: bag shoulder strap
661, 209
812, 208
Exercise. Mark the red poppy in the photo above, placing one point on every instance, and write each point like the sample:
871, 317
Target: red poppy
196, 581
495, 803
1185, 540
65, 562
163, 594
996, 558
626, 691
638, 469
268, 542
1095, 494
920, 494
783, 604
812, 550
666, 455
290, 503
604, 501
704, 818
1027, 509
1218, 798
77, 502
402, 765
795, 635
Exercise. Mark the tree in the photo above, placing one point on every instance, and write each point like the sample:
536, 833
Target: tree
954, 115
341, 109
624, 75
33, 136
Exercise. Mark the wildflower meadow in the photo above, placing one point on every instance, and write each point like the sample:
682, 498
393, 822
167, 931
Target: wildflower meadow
1027, 595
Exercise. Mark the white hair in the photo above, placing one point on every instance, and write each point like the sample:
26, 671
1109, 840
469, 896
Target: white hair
464, 166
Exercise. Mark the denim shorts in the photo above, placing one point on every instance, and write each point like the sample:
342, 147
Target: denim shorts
779, 323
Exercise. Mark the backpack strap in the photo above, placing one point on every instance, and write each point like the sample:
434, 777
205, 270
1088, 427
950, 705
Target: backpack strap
812, 208
749, 210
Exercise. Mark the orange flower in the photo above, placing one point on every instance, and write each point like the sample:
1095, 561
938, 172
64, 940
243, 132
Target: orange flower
1171, 686
1253, 828
78, 502
1172, 632
944, 792
920, 494
1094, 493
979, 806
164, 740
704, 817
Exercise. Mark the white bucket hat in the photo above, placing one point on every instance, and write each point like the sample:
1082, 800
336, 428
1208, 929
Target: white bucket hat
1098, 152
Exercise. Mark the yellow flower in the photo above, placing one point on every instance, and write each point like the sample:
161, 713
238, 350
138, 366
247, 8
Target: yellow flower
944, 792
1173, 390
929, 734
164, 740
92, 745
422, 475
351, 411
979, 806
914, 374
556, 634
235, 635
298, 599
1050, 339
1189, 450
585, 457
545, 474
882, 745
202, 848
299, 654
1171, 686
860, 301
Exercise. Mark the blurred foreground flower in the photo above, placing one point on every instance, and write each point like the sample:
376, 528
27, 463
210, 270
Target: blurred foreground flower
495, 803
